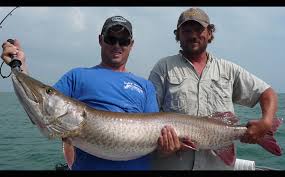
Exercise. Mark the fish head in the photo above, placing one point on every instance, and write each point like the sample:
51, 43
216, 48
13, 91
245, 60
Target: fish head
43, 104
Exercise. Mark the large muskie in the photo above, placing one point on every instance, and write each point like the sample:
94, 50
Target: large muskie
126, 136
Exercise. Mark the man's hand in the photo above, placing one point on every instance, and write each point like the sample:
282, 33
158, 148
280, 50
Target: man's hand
256, 129
169, 143
14, 49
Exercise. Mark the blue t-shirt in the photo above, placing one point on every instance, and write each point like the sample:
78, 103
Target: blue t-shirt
104, 89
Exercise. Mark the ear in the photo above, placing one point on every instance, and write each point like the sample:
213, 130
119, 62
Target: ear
132, 43
176, 33
100, 38
210, 33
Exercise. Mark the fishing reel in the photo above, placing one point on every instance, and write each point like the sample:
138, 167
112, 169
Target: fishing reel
15, 63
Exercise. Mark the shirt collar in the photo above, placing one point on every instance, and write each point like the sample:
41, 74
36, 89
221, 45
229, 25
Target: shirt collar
209, 56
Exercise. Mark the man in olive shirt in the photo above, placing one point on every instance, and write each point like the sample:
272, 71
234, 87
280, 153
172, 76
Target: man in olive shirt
195, 82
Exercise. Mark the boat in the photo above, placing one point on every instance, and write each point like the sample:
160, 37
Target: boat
240, 164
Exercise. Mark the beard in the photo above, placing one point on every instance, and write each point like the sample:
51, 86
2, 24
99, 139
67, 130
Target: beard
188, 48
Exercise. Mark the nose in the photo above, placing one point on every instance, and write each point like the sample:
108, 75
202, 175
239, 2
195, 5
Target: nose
116, 44
193, 37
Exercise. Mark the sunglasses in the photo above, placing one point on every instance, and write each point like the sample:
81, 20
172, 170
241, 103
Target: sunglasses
111, 40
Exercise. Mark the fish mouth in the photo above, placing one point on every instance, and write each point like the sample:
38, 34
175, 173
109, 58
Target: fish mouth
28, 91
28, 95
28, 86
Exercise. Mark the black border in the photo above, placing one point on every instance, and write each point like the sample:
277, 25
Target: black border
142, 3
143, 173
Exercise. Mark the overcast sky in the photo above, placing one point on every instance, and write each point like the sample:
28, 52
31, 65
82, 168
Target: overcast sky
56, 39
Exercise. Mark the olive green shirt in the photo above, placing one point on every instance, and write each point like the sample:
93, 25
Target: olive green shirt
180, 89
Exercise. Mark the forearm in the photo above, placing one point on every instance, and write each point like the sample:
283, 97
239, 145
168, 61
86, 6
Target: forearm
268, 103
256, 129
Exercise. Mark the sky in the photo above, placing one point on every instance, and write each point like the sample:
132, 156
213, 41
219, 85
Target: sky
57, 39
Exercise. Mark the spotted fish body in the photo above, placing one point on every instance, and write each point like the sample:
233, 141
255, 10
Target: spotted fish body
125, 136
117, 136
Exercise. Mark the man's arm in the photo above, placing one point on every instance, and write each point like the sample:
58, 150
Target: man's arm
268, 102
258, 128
168, 141
63, 85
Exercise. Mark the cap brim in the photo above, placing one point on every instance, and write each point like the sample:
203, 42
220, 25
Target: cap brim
204, 24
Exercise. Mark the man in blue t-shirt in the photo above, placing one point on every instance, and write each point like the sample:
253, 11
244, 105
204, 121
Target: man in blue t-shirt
107, 86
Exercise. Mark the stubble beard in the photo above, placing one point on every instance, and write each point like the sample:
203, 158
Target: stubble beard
189, 51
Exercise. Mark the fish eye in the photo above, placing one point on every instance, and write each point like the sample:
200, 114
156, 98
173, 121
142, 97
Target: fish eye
48, 90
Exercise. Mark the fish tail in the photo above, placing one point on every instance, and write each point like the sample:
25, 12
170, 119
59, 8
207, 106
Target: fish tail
227, 154
268, 142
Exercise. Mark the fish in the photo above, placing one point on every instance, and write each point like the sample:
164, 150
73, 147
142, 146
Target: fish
121, 136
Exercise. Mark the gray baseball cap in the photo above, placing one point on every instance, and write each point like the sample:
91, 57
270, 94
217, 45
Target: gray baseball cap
195, 14
117, 20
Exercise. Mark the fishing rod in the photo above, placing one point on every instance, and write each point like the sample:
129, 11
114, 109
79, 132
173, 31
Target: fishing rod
10, 13
15, 63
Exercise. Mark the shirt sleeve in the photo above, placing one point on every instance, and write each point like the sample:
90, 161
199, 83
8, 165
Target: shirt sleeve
247, 88
157, 78
151, 102
65, 84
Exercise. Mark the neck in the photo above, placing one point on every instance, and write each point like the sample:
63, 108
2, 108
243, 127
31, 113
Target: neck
196, 58
120, 68
199, 61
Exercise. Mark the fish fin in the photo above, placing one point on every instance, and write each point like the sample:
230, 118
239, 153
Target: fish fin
226, 117
186, 143
186, 146
268, 142
68, 152
227, 154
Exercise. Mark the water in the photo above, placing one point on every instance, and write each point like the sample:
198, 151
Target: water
22, 147
256, 152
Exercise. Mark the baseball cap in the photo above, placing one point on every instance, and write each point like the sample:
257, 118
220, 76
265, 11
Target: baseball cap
117, 20
195, 14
